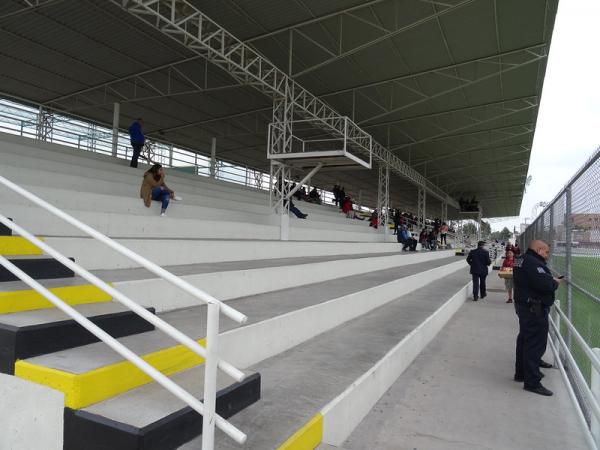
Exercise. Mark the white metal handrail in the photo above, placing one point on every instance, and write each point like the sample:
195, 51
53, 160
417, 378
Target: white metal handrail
153, 373
587, 392
214, 306
152, 267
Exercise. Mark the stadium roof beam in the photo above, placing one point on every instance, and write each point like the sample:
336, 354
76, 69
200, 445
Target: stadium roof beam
382, 38
533, 58
494, 59
30, 5
187, 25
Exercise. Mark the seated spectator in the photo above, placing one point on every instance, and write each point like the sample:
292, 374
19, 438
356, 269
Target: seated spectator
299, 214
314, 196
374, 219
432, 239
154, 188
423, 238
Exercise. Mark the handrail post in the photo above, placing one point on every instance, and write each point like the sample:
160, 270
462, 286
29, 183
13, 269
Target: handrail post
595, 388
210, 376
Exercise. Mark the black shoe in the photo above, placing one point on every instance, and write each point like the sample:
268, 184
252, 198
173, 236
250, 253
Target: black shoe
539, 389
545, 365
483, 296
475, 299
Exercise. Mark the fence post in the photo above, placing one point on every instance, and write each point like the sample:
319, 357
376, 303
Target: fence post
595, 388
210, 376
568, 257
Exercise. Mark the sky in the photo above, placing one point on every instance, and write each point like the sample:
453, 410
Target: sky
568, 124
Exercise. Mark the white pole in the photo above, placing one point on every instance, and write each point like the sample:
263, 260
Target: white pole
152, 267
210, 376
213, 157
123, 299
115, 129
595, 388
158, 376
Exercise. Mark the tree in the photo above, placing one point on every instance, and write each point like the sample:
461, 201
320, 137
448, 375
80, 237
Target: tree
503, 235
486, 228
470, 229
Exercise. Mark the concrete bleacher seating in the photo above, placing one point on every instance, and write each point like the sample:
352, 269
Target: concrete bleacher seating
326, 309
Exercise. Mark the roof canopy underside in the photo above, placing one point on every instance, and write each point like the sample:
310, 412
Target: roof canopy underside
452, 86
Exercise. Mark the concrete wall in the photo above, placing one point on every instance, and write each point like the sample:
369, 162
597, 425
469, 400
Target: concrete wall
31, 415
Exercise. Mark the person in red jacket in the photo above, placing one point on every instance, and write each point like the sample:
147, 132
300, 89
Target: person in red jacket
509, 261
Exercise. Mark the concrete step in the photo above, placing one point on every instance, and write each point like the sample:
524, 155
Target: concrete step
16, 245
94, 255
93, 373
124, 225
15, 296
37, 268
328, 381
32, 333
150, 417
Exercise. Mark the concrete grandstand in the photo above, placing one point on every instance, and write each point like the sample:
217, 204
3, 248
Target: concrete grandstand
109, 321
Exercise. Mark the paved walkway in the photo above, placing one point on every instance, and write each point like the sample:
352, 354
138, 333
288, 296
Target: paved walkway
459, 393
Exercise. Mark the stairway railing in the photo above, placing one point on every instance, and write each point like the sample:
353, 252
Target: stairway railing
214, 307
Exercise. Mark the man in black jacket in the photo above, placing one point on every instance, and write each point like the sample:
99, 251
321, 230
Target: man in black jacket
534, 295
479, 260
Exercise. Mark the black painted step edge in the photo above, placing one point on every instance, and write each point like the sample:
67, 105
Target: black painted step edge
4, 230
38, 268
84, 430
34, 340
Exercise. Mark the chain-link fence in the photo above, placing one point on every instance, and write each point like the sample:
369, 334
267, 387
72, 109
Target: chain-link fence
570, 224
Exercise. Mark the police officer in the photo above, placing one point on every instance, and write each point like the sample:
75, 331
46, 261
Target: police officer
534, 295
479, 260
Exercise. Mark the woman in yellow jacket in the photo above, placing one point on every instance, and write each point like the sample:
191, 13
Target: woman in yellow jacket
154, 188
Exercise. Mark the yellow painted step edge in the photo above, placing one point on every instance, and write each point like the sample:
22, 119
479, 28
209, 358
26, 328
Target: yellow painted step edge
29, 300
17, 245
306, 438
91, 387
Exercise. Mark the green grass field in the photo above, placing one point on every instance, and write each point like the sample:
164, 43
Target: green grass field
585, 272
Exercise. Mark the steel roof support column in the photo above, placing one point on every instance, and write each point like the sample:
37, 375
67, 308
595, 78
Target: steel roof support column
383, 198
421, 207
45, 124
280, 176
213, 157
115, 128
444, 216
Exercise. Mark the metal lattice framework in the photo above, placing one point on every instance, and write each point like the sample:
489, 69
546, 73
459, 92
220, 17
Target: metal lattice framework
186, 24
383, 195
45, 124
421, 207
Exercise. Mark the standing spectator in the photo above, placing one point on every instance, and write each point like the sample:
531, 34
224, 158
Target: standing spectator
346, 205
136, 136
516, 249
479, 260
443, 233
509, 261
432, 239
336, 195
154, 188
342, 197
397, 222
423, 238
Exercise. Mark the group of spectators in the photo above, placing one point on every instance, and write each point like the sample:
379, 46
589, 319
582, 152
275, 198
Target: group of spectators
312, 197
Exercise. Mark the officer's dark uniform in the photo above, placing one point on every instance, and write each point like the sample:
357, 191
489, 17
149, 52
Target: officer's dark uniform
479, 260
534, 295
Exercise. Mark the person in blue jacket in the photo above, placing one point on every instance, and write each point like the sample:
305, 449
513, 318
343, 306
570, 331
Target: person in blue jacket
136, 136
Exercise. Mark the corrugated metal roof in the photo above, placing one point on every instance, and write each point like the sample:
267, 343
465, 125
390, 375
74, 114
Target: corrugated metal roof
387, 58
